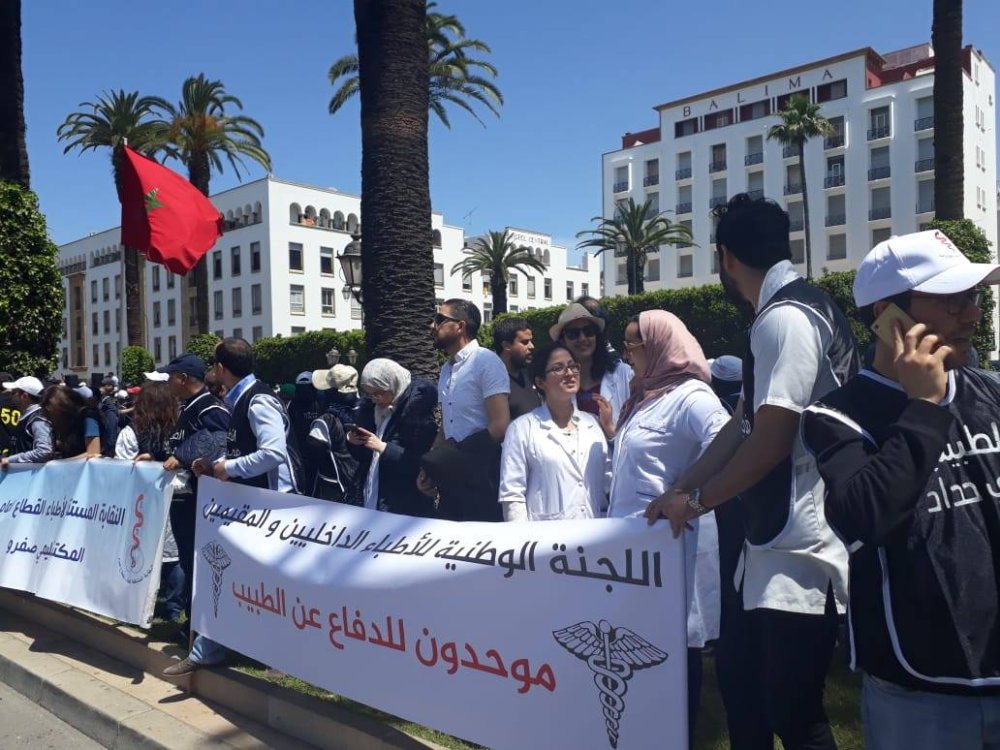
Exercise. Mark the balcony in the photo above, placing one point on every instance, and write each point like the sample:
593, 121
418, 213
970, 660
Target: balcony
621, 187
789, 152
796, 225
650, 179
836, 220
833, 180
878, 173
925, 206
757, 158
717, 166
833, 141
756, 194
924, 165
880, 132
683, 208
792, 188
879, 213
923, 123
717, 200
683, 174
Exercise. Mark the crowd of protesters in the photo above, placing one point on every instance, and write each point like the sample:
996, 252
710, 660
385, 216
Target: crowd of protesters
804, 486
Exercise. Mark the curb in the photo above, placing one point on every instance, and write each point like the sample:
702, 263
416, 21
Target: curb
118, 722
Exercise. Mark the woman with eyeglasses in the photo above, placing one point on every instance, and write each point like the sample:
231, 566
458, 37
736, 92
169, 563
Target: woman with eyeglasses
555, 457
604, 378
671, 416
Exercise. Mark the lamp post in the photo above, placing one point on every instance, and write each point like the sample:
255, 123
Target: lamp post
350, 264
352, 356
333, 357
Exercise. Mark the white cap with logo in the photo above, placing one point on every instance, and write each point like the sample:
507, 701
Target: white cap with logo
30, 385
925, 262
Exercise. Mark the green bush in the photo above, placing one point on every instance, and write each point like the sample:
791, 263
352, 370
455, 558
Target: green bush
135, 363
280, 359
32, 301
203, 344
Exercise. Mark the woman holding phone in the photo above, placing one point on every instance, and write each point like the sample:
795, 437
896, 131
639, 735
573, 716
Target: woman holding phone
395, 421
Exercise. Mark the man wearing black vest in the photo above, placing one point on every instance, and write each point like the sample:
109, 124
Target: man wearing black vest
793, 571
32, 439
10, 415
910, 452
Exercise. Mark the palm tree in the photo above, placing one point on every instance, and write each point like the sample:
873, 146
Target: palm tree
204, 136
13, 146
115, 118
800, 121
397, 284
496, 257
635, 231
455, 76
949, 126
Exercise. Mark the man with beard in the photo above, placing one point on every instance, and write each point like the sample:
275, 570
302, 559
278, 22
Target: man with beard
512, 340
793, 571
463, 467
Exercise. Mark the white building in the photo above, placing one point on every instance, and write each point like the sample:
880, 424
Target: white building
274, 271
872, 179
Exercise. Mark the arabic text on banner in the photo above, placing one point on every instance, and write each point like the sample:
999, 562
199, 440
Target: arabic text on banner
576, 628
85, 533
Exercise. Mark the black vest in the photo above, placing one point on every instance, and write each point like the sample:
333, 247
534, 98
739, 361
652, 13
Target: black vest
24, 441
10, 415
191, 418
241, 440
767, 504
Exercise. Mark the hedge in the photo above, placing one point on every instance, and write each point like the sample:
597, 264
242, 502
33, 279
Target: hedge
135, 362
281, 358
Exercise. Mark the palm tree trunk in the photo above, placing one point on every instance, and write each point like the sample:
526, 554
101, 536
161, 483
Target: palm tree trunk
498, 289
949, 157
13, 145
630, 270
134, 323
200, 175
640, 272
805, 209
398, 260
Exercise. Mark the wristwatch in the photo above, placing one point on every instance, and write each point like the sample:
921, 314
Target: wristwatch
694, 502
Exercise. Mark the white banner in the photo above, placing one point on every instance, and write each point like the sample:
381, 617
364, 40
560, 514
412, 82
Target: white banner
548, 634
85, 533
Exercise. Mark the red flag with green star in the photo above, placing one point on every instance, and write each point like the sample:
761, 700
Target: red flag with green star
164, 215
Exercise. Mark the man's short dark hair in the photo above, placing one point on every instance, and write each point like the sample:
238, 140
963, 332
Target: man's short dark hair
467, 312
754, 230
506, 330
236, 355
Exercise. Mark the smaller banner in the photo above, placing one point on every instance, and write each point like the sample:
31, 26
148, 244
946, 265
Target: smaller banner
86, 533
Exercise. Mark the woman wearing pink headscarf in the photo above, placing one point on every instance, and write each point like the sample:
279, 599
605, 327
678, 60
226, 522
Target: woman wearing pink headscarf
670, 417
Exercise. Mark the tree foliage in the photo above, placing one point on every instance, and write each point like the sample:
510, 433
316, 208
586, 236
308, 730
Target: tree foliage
280, 359
32, 301
135, 362
203, 344
496, 257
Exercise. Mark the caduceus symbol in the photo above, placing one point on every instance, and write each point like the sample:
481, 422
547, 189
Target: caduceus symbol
613, 655
219, 560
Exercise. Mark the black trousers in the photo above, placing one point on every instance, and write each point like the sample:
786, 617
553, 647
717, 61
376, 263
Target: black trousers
787, 659
182, 519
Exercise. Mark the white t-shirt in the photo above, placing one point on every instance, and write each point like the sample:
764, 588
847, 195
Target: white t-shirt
475, 375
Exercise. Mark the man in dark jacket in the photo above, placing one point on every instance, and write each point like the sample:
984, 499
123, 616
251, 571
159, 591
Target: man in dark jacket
108, 409
10, 415
910, 452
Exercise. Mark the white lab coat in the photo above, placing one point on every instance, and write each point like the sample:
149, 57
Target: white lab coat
615, 388
652, 449
536, 468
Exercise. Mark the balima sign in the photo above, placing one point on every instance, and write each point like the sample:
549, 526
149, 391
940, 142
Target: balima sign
772, 88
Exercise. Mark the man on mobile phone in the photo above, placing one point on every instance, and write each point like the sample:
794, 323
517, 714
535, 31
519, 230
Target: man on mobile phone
910, 453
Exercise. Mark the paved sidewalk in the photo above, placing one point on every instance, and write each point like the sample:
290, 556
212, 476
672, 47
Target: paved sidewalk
25, 725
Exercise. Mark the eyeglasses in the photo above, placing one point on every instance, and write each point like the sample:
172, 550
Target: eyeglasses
956, 303
572, 334
563, 367
630, 345
440, 319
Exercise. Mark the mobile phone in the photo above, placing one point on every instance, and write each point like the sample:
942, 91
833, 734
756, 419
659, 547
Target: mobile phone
882, 327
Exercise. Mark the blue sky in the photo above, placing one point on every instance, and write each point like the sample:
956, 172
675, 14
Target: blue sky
576, 75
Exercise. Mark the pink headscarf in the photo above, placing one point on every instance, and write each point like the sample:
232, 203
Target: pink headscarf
673, 356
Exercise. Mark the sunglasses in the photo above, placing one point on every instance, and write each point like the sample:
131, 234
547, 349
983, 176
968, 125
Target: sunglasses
956, 303
572, 334
440, 319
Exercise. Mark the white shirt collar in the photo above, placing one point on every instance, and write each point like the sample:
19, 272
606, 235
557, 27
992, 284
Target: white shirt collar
545, 416
466, 351
777, 276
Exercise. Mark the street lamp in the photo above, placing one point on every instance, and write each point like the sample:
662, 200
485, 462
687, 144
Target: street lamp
350, 264
352, 356
333, 357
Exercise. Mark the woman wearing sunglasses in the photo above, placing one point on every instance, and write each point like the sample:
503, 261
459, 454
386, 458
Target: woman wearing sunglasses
555, 457
670, 418
604, 378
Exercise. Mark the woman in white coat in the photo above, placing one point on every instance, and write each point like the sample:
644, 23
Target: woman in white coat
604, 378
670, 418
555, 458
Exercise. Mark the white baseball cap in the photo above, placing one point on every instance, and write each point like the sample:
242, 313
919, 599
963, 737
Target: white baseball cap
157, 376
925, 262
30, 385
304, 378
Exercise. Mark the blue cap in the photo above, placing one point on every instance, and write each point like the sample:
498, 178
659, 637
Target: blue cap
186, 363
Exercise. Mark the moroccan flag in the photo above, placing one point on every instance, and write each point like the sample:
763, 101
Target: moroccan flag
165, 215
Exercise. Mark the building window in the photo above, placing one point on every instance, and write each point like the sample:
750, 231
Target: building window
513, 286
118, 320
107, 321
296, 330
156, 315
327, 298
718, 119
837, 249
220, 334
95, 325
685, 266
107, 355
106, 289
297, 299
878, 123
217, 299
547, 288
686, 127
254, 257
234, 261
257, 334
97, 355
621, 179
295, 256
158, 349
531, 287
466, 283
755, 110
256, 299
652, 173
172, 346
171, 280
355, 309
438, 275
237, 302
217, 264
237, 333
171, 312
118, 286
192, 307
798, 251
832, 90
621, 274
93, 292
326, 261
584, 289
652, 269
65, 358
569, 291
